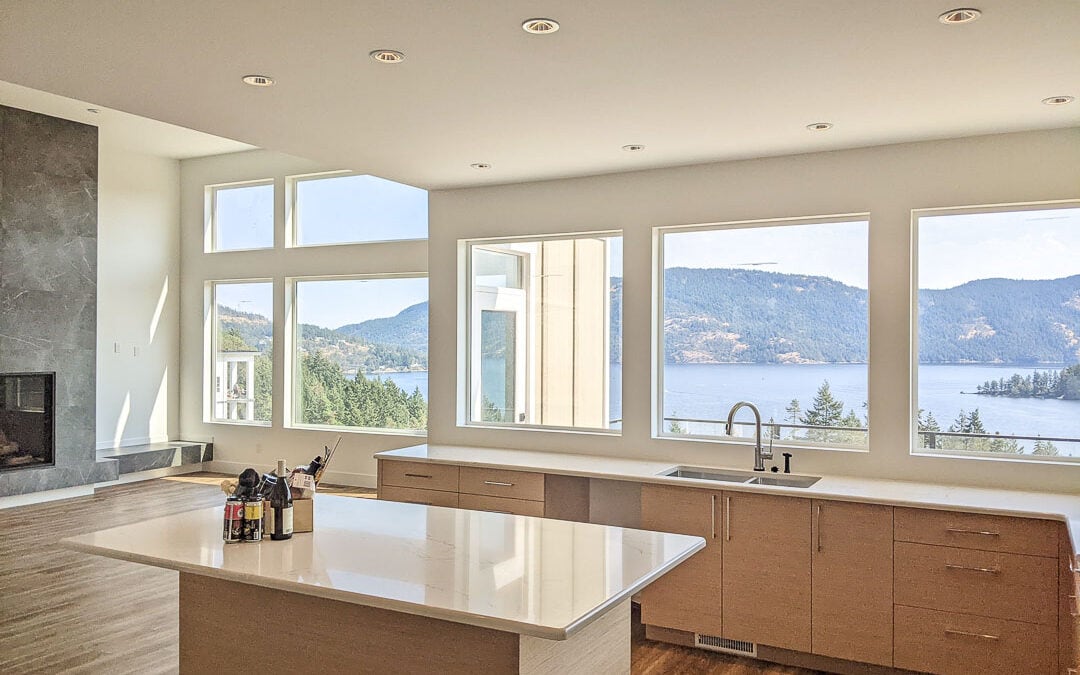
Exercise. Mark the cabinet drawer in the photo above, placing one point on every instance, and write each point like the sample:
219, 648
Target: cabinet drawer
502, 483
941, 642
986, 583
518, 507
393, 493
977, 531
419, 475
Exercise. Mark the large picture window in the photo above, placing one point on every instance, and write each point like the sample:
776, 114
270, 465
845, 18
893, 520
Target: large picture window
360, 356
544, 332
774, 313
352, 209
998, 361
242, 340
241, 216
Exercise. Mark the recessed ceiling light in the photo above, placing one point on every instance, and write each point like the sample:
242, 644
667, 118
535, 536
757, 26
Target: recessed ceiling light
959, 15
633, 147
387, 56
480, 166
259, 80
819, 126
540, 26
1058, 100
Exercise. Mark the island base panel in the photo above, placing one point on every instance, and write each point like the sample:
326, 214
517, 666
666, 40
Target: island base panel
227, 624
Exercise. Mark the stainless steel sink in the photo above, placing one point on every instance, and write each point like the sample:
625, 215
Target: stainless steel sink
785, 480
709, 474
747, 477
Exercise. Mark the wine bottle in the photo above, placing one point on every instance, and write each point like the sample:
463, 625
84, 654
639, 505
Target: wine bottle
281, 504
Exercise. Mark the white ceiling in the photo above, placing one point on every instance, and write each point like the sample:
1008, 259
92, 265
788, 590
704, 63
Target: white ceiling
693, 80
120, 129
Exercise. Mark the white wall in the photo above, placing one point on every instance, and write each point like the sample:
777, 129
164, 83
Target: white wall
888, 182
237, 446
138, 297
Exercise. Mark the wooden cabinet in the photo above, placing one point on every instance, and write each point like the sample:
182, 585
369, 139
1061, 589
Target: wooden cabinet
475, 488
852, 581
975, 593
947, 643
766, 569
393, 493
986, 583
690, 597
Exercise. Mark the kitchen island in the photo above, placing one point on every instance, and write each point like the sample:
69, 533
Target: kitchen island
391, 587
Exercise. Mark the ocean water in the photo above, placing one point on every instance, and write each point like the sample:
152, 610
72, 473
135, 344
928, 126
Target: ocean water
707, 391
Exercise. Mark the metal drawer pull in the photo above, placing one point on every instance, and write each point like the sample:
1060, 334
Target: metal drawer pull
727, 518
500, 484
981, 636
983, 533
417, 475
988, 570
817, 525
713, 513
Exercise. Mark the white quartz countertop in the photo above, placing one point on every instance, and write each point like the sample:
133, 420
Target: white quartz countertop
1043, 505
533, 576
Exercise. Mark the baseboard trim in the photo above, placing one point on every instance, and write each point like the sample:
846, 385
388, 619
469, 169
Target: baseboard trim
154, 473
331, 477
46, 496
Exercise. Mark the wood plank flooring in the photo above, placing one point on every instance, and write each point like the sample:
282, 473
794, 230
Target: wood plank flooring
68, 612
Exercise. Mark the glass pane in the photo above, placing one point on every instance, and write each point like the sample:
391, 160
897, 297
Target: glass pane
999, 333
774, 315
243, 362
353, 209
497, 270
498, 365
243, 217
362, 358
549, 316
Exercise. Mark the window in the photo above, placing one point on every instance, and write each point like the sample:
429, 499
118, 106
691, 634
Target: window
774, 313
242, 340
998, 315
543, 322
349, 209
361, 353
241, 216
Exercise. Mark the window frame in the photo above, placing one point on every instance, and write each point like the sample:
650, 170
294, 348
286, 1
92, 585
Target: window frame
292, 220
466, 305
210, 240
292, 384
913, 357
658, 431
212, 341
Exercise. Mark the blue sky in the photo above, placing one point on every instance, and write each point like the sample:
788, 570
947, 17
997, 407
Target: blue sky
955, 249
335, 303
835, 250
328, 211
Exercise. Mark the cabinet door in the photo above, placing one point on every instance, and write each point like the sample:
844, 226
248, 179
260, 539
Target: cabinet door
766, 582
689, 596
852, 581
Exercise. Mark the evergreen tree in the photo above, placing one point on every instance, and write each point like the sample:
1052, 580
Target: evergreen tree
825, 410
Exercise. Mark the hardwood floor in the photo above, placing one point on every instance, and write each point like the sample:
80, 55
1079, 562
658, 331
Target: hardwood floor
68, 612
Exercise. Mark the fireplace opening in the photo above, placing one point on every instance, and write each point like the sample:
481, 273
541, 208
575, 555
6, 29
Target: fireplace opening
26, 420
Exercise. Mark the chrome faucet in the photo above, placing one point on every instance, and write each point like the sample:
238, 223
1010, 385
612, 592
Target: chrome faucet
760, 454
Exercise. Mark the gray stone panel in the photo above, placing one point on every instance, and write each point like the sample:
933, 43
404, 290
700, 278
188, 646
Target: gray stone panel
48, 284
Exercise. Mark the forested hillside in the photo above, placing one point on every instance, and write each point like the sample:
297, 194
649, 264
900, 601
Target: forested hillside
751, 316
394, 344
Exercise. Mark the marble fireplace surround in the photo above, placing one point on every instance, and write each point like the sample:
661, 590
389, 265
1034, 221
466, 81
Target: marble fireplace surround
48, 284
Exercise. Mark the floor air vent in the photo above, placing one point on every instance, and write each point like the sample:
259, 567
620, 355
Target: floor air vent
719, 644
